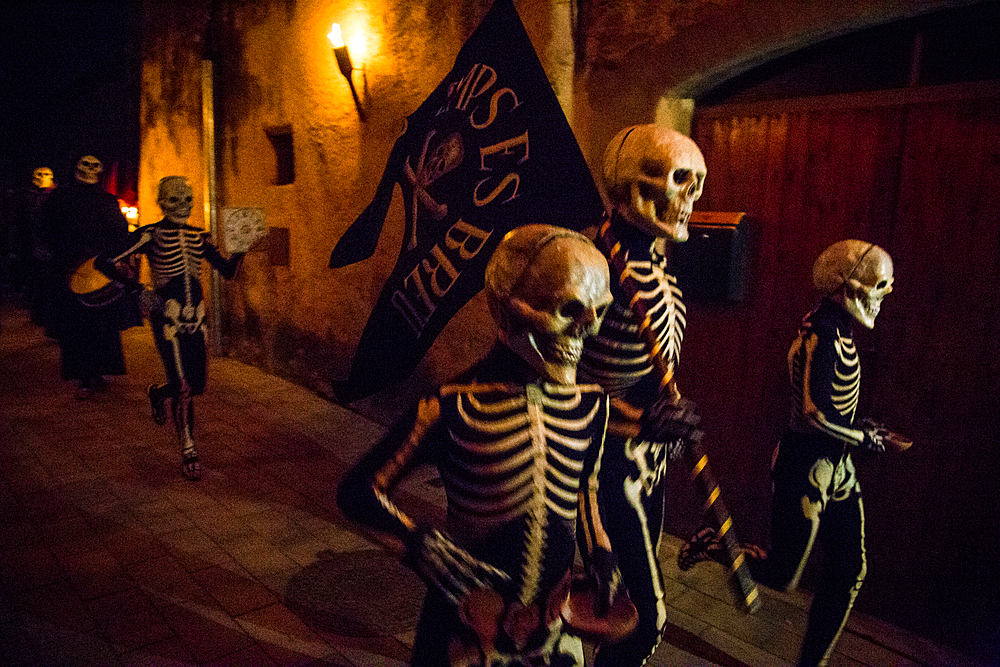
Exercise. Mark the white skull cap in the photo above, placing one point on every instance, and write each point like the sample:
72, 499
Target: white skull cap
839, 262
166, 182
547, 288
856, 274
43, 177
88, 169
175, 196
617, 174
517, 251
653, 176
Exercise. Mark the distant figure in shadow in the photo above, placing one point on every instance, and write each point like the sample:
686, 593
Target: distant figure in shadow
19, 239
78, 222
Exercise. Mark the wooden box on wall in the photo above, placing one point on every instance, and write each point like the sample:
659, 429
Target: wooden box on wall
712, 264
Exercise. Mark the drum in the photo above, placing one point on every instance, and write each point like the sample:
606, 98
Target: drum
92, 288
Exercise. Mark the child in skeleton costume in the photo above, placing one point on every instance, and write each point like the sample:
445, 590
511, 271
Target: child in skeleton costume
816, 494
653, 177
517, 443
176, 308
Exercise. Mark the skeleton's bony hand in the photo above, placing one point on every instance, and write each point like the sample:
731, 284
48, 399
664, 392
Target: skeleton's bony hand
669, 420
602, 569
447, 567
875, 435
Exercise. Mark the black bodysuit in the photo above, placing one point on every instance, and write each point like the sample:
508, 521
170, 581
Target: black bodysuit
817, 496
633, 469
518, 458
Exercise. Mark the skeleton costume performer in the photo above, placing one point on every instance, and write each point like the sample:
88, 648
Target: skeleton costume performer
175, 251
517, 443
816, 493
653, 176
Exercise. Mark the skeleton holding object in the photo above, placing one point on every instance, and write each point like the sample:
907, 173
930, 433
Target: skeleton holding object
653, 177
517, 443
816, 493
175, 306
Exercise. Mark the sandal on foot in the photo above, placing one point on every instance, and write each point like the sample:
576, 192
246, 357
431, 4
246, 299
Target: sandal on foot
158, 405
704, 545
191, 468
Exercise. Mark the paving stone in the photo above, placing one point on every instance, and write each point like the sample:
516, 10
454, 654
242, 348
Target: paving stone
108, 557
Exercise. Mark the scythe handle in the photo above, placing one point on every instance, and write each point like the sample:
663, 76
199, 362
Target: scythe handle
740, 580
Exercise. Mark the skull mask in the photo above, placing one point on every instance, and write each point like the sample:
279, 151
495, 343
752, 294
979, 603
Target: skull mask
42, 178
856, 274
88, 169
654, 176
547, 288
175, 197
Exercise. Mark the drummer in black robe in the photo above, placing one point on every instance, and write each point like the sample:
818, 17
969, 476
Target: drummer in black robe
78, 222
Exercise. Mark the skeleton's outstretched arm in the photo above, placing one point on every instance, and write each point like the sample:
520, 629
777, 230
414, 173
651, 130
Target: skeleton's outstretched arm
364, 497
107, 263
672, 420
227, 268
668, 418
134, 244
591, 531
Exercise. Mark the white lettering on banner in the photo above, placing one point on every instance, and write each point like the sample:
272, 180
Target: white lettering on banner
499, 151
469, 87
419, 298
494, 106
442, 263
470, 232
435, 273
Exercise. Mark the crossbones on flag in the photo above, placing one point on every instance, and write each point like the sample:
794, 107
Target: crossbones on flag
489, 150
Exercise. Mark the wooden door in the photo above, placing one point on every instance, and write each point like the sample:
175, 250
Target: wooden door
917, 172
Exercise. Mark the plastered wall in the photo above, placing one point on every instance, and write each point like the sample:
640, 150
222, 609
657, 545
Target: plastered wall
611, 64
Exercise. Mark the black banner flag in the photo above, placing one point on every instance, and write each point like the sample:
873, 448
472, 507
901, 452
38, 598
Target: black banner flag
489, 150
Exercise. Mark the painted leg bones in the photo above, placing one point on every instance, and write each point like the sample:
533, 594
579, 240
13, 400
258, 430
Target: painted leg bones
183, 351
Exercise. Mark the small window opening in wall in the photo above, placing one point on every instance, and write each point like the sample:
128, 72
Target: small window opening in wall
284, 154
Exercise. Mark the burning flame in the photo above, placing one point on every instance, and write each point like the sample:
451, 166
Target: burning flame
335, 37
131, 214
356, 47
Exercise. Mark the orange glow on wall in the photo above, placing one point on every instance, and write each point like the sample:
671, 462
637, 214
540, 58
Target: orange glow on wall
357, 46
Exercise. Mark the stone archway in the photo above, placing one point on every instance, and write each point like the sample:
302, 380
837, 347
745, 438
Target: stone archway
631, 56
